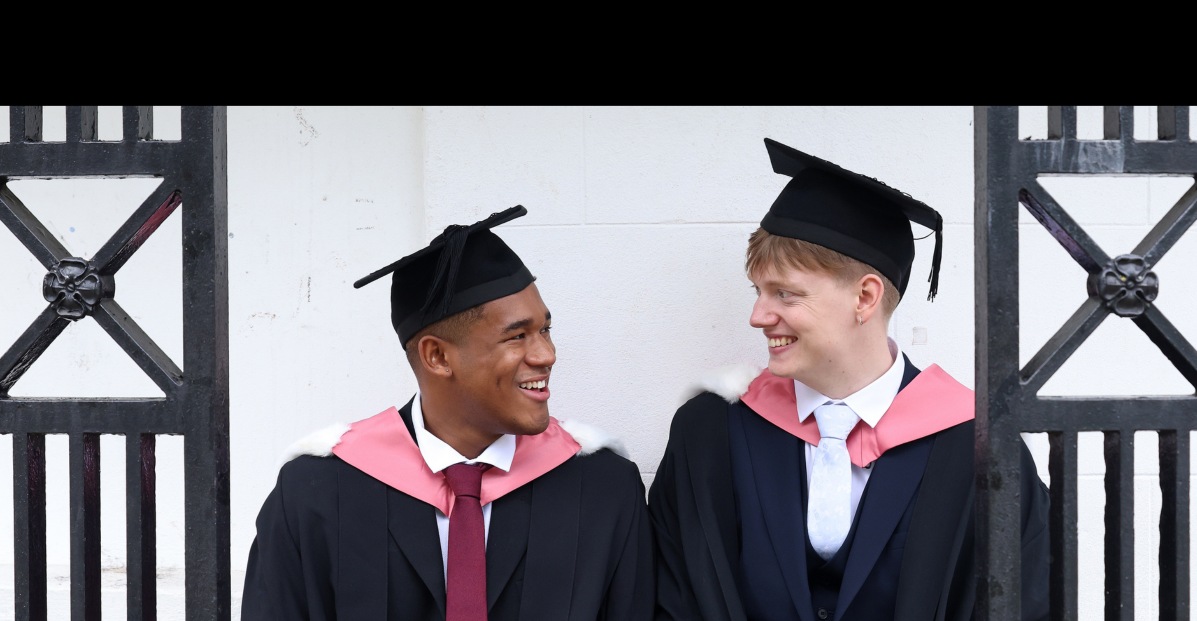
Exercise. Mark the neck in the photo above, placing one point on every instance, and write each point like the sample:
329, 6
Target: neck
868, 359
442, 421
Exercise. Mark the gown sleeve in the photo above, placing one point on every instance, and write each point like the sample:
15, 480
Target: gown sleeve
692, 571
631, 593
1036, 543
286, 578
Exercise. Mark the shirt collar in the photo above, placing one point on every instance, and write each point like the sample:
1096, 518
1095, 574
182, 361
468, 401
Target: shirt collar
869, 402
439, 455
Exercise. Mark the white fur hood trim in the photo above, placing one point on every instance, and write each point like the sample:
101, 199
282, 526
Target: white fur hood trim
728, 382
592, 438
319, 443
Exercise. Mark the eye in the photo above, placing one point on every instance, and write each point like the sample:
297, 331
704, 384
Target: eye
784, 294
546, 329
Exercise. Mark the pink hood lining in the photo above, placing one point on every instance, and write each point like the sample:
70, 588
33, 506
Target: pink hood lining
381, 447
931, 402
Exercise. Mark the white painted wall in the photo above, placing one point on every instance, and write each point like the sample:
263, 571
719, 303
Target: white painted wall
638, 220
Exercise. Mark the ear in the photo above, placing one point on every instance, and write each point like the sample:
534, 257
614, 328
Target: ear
432, 355
870, 290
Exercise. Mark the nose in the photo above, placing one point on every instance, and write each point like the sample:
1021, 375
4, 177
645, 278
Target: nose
542, 353
762, 316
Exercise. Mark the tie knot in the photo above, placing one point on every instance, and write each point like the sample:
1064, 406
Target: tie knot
465, 479
835, 420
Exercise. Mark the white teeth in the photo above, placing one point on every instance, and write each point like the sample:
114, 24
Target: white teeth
534, 385
785, 340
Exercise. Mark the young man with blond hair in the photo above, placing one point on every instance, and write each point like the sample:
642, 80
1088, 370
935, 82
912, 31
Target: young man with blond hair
837, 484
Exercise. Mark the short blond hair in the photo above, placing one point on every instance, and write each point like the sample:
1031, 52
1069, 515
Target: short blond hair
766, 250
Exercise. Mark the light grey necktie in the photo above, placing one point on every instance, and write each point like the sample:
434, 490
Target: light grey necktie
829, 511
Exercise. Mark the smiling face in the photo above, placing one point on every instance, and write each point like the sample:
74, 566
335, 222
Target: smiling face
500, 369
807, 317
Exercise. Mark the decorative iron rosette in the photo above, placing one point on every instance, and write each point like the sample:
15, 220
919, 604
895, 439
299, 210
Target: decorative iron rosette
1125, 285
74, 288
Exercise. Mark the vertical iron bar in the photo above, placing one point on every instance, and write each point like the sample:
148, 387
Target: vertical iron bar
16, 123
1126, 487
1174, 525
141, 513
29, 525
1166, 122
85, 526
1119, 535
998, 408
1111, 123
80, 123
1061, 122
206, 360
1113, 531
1173, 122
138, 122
1062, 469
25, 123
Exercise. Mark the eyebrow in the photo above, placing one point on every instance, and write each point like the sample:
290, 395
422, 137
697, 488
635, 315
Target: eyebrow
524, 323
778, 282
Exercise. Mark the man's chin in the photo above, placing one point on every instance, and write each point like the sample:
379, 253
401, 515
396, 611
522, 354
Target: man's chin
780, 370
536, 425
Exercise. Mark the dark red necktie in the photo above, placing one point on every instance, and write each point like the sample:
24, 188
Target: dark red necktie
465, 582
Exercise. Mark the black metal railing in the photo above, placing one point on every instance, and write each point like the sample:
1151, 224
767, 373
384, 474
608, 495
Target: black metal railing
194, 405
1008, 401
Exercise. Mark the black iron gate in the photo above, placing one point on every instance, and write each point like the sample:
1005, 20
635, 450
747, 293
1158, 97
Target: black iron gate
1006, 171
195, 404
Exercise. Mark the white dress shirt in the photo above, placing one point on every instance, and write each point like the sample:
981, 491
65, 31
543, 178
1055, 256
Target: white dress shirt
869, 403
439, 456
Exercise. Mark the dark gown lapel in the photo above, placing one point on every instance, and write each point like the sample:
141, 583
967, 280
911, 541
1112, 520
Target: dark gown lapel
507, 540
891, 487
554, 528
778, 464
716, 494
413, 527
929, 555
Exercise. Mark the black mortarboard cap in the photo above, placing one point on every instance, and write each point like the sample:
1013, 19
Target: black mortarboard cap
463, 267
850, 213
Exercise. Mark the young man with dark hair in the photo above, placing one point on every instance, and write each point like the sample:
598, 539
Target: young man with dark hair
470, 502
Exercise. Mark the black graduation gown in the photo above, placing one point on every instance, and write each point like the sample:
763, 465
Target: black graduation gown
915, 520
334, 543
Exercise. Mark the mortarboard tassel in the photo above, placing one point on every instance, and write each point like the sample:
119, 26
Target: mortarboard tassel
935, 258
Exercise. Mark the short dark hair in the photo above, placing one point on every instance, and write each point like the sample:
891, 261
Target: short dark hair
452, 328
